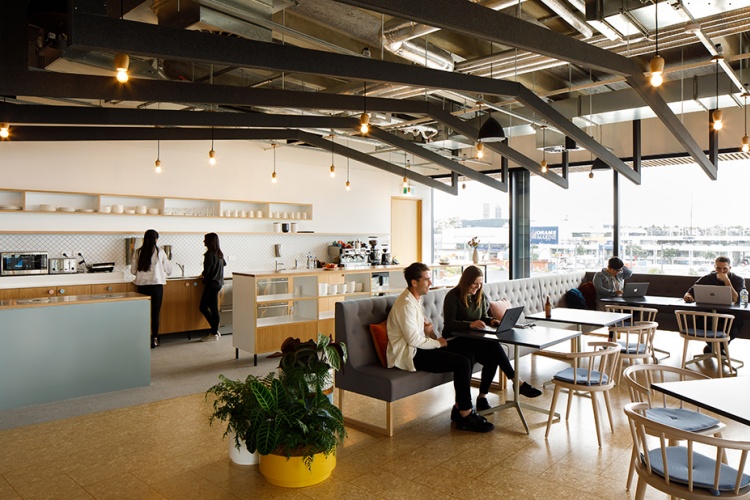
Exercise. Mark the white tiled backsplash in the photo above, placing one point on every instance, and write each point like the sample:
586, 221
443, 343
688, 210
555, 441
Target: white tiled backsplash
243, 252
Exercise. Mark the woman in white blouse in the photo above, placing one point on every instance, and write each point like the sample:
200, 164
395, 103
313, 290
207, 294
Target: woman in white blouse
151, 268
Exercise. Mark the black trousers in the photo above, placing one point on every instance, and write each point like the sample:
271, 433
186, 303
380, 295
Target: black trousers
443, 361
156, 292
209, 307
489, 354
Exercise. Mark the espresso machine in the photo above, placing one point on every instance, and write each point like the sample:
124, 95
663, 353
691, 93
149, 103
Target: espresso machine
375, 254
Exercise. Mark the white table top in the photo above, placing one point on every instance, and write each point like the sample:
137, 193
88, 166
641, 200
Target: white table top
725, 396
580, 317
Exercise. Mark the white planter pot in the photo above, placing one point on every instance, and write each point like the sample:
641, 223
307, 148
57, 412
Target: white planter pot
241, 456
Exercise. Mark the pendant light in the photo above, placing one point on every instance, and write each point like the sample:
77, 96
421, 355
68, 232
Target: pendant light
122, 62
4, 130
157, 163
333, 167
745, 138
273, 175
212, 153
348, 184
718, 115
480, 150
543, 165
491, 131
656, 65
364, 119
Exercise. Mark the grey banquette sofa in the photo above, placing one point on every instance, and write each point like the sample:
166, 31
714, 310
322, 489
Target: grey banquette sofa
363, 373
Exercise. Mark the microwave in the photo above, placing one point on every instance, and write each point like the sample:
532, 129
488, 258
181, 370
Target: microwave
13, 263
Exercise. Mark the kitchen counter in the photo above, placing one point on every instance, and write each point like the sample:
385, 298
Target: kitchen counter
35, 280
70, 299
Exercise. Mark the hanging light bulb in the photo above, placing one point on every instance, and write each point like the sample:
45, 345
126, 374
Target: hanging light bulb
745, 138
122, 62
591, 174
364, 119
4, 130
718, 115
405, 182
273, 175
348, 184
333, 167
656, 66
480, 149
544, 166
157, 163
212, 153
463, 186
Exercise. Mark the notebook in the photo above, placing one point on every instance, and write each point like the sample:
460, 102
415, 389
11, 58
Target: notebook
510, 318
632, 290
712, 294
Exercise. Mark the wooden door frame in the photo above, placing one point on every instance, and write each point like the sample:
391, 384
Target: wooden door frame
420, 227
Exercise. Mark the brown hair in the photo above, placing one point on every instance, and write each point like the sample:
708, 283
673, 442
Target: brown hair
468, 278
414, 272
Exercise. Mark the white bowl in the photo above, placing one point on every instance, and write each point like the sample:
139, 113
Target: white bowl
153, 211
130, 211
47, 207
106, 210
141, 209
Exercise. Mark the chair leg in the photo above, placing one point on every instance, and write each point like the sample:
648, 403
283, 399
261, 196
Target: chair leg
596, 418
640, 490
684, 353
608, 404
552, 409
570, 403
719, 363
631, 471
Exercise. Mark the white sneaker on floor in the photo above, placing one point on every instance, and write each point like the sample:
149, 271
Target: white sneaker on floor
211, 337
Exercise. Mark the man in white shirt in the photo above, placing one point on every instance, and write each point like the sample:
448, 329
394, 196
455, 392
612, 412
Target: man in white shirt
413, 345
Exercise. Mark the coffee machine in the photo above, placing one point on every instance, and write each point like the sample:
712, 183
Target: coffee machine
385, 255
375, 252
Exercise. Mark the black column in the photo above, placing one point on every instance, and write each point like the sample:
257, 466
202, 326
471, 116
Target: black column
520, 222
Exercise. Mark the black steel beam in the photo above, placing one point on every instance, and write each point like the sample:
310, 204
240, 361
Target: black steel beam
477, 21
673, 124
433, 157
637, 145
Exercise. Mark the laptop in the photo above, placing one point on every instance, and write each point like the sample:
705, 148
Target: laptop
633, 290
712, 294
510, 318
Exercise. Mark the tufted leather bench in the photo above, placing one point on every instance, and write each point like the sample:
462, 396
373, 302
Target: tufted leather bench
363, 373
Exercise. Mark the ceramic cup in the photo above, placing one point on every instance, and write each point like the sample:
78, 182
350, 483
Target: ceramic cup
358, 287
259, 214
285, 227
322, 288
304, 215
277, 227
351, 286
251, 214
293, 226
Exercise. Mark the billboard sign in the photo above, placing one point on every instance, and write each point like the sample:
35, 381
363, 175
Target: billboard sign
544, 235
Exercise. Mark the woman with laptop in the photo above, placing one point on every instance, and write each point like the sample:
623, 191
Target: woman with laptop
466, 307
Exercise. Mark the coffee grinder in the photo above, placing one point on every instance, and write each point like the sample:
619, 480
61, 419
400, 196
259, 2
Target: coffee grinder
375, 253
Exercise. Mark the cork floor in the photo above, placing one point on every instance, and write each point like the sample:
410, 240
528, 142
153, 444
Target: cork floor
167, 450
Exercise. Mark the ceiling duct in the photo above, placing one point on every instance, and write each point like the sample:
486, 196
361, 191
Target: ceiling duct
555, 142
190, 14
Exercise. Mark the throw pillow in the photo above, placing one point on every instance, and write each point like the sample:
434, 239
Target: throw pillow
574, 299
380, 339
498, 308
589, 293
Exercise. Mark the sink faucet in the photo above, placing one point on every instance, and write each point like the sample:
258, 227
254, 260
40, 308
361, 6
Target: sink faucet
182, 268
280, 266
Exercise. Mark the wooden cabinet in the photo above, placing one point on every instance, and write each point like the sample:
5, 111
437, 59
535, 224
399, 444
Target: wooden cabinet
112, 288
179, 309
53, 291
9, 294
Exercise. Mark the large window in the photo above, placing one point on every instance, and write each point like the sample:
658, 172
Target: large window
678, 220
571, 229
478, 211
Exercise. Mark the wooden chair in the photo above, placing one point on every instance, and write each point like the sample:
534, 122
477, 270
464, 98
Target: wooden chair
592, 372
639, 315
708, 327
664, 409
638, 343
681, 471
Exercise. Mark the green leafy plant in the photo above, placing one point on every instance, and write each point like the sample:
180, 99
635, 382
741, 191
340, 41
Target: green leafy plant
285, 412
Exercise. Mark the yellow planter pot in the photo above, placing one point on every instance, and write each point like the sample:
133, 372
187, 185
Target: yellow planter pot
293, 473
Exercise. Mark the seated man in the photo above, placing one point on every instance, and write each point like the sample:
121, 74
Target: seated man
412, 346
609, 281
722, 276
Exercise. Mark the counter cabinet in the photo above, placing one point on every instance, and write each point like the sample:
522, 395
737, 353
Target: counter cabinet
270, 307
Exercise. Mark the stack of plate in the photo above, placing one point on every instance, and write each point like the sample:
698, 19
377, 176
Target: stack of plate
47, 208
66, 209
153, 211
86, 210
10, 207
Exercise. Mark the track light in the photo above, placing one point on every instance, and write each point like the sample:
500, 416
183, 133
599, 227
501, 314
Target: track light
480, 149
4, 130
122, 62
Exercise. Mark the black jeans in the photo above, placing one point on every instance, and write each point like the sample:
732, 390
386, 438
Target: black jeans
443, 361
489, 354
156, 292
209, 307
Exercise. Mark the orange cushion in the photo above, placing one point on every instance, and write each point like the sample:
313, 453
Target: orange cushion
380, 339
498, 308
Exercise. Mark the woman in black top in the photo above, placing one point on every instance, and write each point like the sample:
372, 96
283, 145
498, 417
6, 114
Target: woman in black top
213, 280
467, 307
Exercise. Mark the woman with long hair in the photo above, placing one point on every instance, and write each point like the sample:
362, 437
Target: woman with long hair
466, 307
151, 268
213, 280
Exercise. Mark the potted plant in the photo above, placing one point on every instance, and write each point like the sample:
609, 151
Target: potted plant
285, 415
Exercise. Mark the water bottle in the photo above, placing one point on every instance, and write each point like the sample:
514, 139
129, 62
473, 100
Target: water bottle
743, 297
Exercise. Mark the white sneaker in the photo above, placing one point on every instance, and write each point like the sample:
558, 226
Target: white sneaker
211, 337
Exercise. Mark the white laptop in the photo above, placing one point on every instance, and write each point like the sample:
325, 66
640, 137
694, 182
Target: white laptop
633, 290
712, 294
